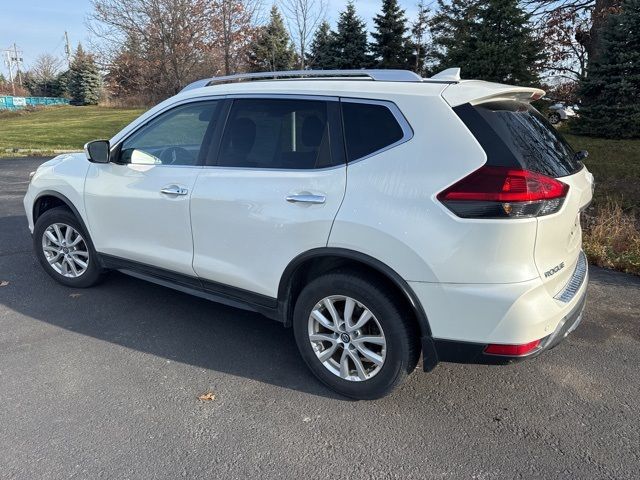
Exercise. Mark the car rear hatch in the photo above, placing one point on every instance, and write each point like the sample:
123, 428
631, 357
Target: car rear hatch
516, 136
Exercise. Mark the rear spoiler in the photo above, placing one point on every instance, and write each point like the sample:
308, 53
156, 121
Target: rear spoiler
477, 91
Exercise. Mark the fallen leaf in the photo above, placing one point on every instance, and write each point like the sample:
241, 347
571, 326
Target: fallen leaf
3, 283
207, 397
75, 295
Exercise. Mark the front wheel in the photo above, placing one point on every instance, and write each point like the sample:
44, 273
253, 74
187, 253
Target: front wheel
554, 118
65, 250
353, 335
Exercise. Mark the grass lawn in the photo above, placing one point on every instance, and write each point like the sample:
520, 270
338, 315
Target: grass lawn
615, 165
61, 128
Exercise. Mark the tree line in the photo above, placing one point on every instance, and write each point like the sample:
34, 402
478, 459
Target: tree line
147, 50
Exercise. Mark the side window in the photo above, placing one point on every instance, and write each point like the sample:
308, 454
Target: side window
177, 137
368, 127
278, 133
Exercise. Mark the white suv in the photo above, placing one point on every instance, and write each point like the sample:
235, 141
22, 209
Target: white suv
378, 213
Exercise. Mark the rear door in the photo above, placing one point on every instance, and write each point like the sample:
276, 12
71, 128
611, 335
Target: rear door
513, 133
271, 194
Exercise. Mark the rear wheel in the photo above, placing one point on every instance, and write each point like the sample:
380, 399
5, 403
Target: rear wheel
353, 335
65, 249
554, 118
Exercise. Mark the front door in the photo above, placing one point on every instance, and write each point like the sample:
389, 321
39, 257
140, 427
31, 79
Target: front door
138, 205
273, 193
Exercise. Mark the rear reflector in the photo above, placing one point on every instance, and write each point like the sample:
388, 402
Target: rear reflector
502, 192
512, 350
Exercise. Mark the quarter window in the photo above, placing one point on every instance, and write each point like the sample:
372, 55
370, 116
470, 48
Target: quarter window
277, 133
178, 137
368, 128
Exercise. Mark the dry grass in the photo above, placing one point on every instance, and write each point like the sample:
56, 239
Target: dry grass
612, 238
612, 222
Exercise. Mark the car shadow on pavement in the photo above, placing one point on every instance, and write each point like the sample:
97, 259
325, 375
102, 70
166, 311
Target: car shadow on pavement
148, 318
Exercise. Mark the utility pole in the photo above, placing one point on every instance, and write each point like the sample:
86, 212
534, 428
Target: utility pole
14, 60
9, 64
18, 60
67, 49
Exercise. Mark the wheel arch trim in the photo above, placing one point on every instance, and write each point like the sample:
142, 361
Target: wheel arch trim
61, 197
365, 259
67, 202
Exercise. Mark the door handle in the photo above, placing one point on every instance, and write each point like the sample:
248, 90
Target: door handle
174, 190
306, 198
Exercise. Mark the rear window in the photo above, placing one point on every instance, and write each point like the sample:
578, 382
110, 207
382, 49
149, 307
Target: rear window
368, 128
514, 134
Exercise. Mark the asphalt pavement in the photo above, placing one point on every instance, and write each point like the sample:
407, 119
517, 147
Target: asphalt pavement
104, 383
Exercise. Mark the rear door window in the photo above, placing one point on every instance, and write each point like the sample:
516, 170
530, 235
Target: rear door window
282, 133
370, 127
515, 134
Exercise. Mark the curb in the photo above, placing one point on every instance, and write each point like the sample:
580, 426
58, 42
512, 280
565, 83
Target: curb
37, 150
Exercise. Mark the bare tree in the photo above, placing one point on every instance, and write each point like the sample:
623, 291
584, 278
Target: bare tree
420, 37
45, 67
303, 17
171, 33
232, 30
42, 79
563, 32
597, 10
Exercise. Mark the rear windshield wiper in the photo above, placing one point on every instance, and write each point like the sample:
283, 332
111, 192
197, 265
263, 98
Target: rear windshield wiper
581, 155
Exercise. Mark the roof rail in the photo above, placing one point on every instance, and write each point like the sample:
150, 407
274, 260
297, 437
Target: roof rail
377, 75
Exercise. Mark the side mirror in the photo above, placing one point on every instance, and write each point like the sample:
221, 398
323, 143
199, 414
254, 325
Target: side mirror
98, 151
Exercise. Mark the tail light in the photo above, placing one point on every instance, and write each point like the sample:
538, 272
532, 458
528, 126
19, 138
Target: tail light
502, 192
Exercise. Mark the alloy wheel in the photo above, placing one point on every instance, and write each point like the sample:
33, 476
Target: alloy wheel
65, 250
347, 338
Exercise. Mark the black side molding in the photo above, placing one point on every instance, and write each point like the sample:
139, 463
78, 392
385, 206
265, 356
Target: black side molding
225, 294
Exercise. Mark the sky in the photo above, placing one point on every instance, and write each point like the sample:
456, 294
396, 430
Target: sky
38, 26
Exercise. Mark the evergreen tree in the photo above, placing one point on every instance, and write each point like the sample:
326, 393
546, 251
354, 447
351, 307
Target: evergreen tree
60, 86
611, 91
84, 81
391, 47
421, 50
322, 52
452, 28
490, 40
507, 49
351, 40
272, 49
38, 87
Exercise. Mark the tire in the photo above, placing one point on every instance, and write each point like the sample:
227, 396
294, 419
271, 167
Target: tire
554, 118
399, 354
49, 241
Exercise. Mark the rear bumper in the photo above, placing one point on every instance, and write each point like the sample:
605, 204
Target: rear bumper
471, 352
465, 319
